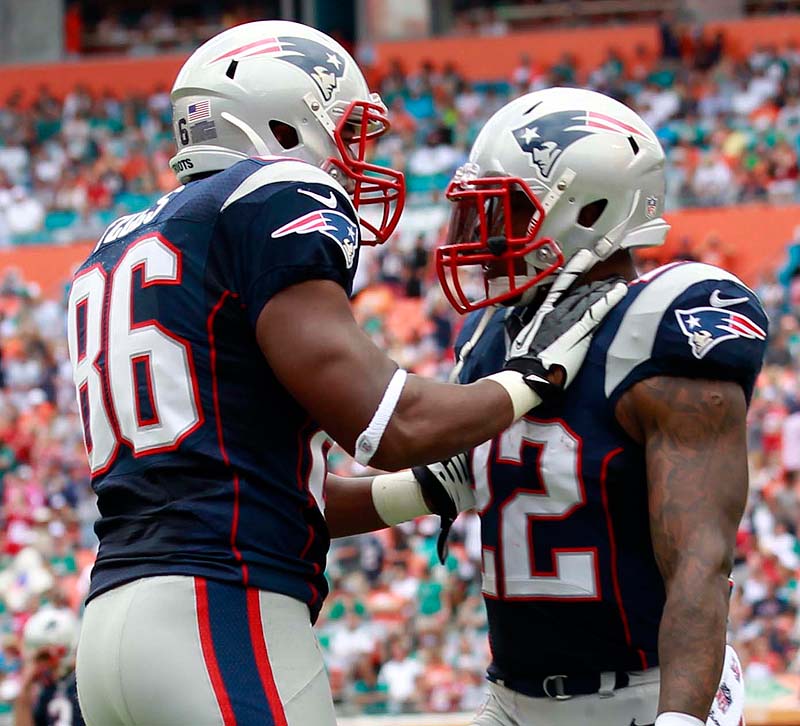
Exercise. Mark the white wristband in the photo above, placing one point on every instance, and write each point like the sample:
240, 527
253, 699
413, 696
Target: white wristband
523, 397
369, 439
397, 497
672, 718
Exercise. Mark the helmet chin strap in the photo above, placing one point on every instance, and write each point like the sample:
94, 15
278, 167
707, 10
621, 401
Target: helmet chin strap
582, 261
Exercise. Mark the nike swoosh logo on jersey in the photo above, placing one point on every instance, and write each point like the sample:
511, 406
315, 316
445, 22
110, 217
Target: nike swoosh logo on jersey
329, 201
720, 302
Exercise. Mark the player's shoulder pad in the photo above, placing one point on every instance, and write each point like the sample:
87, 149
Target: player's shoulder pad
687, 319
270, 176
292, 199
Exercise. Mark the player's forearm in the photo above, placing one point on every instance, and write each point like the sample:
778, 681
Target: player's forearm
691, 638
355, 505
434, 421
23, 710
349, 507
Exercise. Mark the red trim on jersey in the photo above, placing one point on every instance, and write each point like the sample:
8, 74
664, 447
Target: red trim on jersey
613, 545
81, 311
492, 551
653, 274
212, 347
542, 489
148, 381
303, 446
209, 656
85, 413
105, 389
488, 466
262, 658
140, 269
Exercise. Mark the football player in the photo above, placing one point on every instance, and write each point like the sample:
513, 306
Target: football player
213, 347
608, 515
48, 695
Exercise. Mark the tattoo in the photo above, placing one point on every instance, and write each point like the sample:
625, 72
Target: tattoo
693, 432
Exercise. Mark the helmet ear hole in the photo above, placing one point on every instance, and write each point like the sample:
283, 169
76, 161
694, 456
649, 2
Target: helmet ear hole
285, 134
591, 212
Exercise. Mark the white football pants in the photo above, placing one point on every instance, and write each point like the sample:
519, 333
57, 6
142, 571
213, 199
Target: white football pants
637, 703
184, 651
634, 705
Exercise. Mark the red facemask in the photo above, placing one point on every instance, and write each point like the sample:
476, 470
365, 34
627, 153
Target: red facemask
371, 184
493, 228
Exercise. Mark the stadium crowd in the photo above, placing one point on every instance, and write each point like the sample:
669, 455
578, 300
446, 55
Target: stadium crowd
400, 632
731, 129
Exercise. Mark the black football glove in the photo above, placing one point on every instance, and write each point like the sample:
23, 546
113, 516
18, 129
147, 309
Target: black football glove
447, 489
562, 337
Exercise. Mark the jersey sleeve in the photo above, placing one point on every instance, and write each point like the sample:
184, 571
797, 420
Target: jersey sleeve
282, 232
692, 321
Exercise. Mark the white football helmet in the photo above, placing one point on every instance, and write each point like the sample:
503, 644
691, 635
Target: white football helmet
277, 88
552, 173
55, 628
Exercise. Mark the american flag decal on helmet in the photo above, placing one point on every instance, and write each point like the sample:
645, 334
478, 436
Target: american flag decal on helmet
707, 327
198, 111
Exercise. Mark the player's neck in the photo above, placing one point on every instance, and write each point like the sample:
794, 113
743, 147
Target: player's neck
620, 263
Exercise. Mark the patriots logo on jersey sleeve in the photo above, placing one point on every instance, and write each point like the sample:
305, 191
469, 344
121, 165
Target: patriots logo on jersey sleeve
546, 138
332, 224
324, 65
707, 327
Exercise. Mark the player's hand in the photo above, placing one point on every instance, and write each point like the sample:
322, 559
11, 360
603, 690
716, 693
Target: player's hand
550, 354
447, 489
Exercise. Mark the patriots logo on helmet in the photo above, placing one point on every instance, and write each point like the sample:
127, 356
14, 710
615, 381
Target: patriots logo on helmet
325, 66
546, 137
707, 327
332, 224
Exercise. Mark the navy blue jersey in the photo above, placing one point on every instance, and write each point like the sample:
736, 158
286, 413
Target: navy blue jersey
57, 704
569, 576
202, 462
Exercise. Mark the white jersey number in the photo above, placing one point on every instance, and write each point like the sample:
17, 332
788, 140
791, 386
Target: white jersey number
138, 356
60, 711
574, 569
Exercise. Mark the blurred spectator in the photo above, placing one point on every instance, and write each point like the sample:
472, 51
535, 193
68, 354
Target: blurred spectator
791, 442
399, 676
715, 252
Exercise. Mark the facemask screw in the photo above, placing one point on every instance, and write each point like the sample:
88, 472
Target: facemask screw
561, 186
314, 106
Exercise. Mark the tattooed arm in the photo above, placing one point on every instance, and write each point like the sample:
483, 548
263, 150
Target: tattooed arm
693, 432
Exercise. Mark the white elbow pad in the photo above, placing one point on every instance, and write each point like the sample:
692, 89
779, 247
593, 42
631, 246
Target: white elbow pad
369, 439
